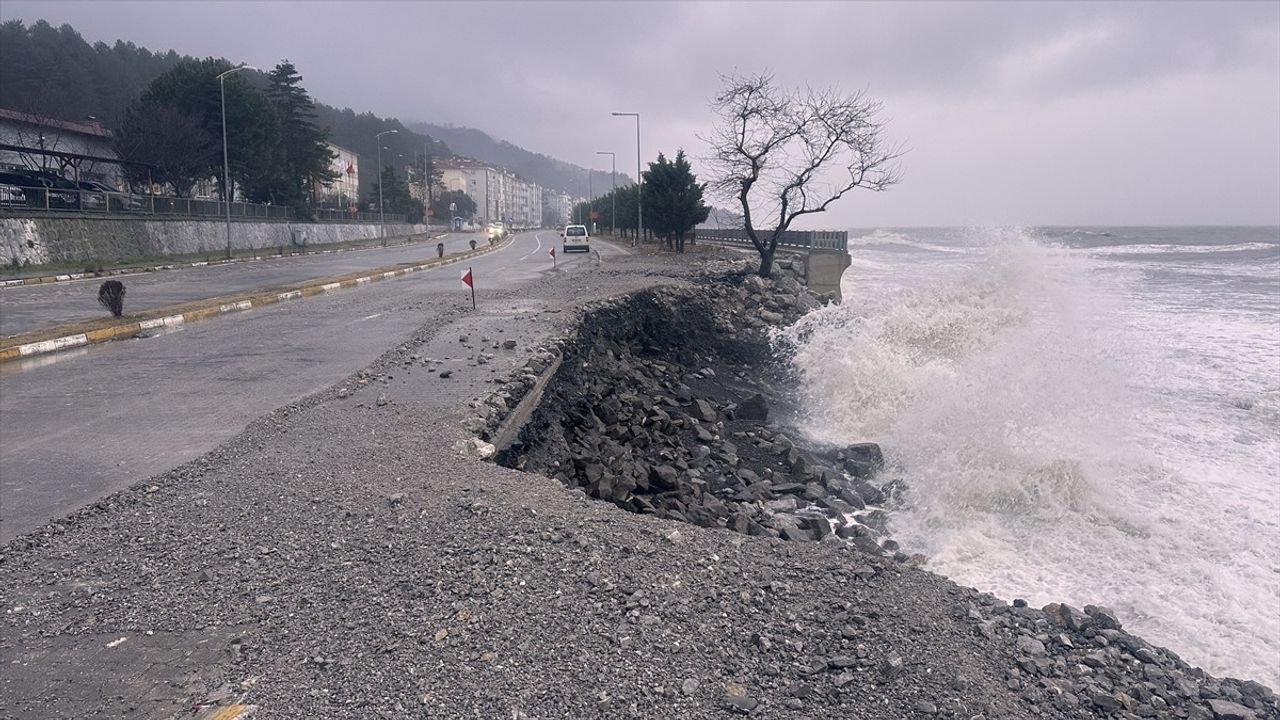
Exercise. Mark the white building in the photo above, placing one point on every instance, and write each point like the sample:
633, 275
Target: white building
76, 150
344, 191
499, 194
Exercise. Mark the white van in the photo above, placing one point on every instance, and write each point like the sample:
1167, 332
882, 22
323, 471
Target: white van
576, 238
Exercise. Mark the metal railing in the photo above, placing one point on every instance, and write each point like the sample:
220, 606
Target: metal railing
22, 199
803, 239
326, 215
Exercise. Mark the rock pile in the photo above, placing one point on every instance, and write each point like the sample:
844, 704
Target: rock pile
1091, 667
660, 406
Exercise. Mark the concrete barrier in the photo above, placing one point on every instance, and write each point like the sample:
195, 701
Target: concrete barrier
40, 240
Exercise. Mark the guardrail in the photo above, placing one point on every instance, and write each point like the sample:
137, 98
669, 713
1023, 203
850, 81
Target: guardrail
805, 239
15, 199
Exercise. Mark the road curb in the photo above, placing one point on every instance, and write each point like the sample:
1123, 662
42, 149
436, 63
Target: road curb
139, 269
14, 348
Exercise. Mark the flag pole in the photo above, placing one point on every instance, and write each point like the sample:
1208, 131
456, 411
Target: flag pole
473, 287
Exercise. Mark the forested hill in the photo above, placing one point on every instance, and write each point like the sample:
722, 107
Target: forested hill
53, 72
536, 167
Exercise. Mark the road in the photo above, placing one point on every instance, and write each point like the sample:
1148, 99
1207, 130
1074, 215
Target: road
78, 425
31, 307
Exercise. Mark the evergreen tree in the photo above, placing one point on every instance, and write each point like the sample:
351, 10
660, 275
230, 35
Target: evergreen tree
306, 159
465, 207
396, 197
673, 199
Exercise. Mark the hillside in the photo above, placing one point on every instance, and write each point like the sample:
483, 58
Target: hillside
536, 167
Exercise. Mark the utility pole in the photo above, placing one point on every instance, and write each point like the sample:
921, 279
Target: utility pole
613, 172
226, 163
382, 222
639, 179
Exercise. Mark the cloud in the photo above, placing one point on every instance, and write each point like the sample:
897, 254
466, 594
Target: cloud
1015, 112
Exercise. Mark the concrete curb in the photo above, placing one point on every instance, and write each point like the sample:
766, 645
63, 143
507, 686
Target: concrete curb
14, 349
71, 277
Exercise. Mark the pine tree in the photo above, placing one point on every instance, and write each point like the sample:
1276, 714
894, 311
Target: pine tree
673, 199
307, 159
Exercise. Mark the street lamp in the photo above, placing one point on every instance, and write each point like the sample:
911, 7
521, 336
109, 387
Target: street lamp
226, 165
639, 178
382, 223
613, 216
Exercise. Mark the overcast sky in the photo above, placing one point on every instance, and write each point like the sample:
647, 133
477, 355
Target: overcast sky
1028, 113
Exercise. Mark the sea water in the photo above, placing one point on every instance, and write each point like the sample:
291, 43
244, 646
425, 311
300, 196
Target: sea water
1088, 415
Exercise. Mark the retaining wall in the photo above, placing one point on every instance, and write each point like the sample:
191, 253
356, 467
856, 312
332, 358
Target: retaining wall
39, 240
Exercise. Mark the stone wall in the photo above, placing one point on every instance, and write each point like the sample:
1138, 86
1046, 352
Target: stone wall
39, 240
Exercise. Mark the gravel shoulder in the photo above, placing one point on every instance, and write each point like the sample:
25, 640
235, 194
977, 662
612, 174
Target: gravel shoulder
340, 559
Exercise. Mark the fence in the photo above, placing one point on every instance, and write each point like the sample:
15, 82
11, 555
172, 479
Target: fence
16, 199
363, 217
804, 239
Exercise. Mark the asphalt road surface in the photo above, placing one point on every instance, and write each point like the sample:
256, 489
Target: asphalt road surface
31, 307
78, 425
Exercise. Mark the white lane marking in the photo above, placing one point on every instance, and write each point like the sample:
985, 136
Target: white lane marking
538, 237
370, 317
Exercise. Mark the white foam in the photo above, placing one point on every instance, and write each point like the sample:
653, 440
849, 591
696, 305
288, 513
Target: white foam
1066, 437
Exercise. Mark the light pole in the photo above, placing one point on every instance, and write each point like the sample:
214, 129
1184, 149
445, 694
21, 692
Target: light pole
226, 164
382, 223
639, 179
591, 203
613, 172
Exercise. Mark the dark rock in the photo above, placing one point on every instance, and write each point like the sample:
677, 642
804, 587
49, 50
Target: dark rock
1227, 710
509, 344
754, 409
664, 477
1102, 617
703, 411
863, 460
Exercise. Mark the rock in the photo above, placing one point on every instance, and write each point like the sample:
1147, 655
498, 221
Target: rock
892, 665
862, 460
446, 373
463, 339
1227, 710
703, 411
480, 448
771, 317
1104, 700
383, 400
754, 409
1102, 617
689, 687
343, 393
925, 707
664, 477
1030, 646
841, 661
508, 344
740, 703
1063, 615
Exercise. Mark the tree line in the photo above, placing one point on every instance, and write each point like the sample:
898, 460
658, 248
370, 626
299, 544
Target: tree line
671, 200
53, 72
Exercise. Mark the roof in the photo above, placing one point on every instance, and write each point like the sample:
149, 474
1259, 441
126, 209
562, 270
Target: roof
79, 128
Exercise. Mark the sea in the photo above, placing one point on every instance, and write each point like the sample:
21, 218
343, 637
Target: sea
1085, 415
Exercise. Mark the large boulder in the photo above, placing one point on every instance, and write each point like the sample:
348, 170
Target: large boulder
754, 409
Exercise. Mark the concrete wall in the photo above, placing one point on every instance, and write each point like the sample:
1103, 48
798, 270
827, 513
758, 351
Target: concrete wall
823, 270
40, 240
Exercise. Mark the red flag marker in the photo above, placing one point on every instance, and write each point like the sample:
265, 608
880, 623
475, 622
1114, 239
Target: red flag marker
470, 282
552, 252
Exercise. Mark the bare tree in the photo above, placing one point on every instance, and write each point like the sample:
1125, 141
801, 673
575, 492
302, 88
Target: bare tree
783, 154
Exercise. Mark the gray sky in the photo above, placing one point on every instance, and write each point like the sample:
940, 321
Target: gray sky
1030, 113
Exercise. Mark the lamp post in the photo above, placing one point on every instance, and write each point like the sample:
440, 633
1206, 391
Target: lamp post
382, 222
639, 179
226, 164
613, 172
591, 203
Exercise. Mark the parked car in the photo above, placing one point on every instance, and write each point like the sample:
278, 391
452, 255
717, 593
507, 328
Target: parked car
42, 189
576, 238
